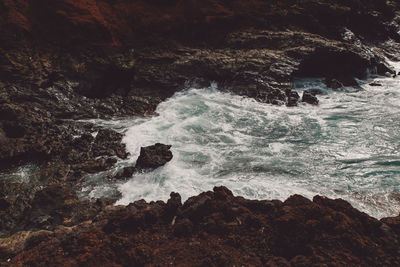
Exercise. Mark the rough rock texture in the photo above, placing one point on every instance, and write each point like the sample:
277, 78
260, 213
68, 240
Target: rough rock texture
215, 229
152, 157
67, 60
309, 98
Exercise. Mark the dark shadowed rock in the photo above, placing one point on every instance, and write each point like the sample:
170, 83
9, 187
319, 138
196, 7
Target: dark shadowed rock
183, 227
152, 157
341, 81
333, 83
315, 92
292, 98
375, 84
66, 60
297, 232
309, 98
173, 203
128, 172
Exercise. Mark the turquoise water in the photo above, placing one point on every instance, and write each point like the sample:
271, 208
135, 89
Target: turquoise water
347, 147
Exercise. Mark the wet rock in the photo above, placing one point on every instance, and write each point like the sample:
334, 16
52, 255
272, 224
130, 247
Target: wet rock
315, 92
383, 68
154, 156
127, 172
333, 83
46, 86
292, 102
341, 81
309, 98
341, 63
375, 84
292, 98
108, 142
297, 231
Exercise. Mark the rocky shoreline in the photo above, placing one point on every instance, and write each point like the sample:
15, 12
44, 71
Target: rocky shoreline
65, 61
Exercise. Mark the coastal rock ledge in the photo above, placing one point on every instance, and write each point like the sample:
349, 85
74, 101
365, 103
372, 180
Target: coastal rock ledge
215, 228
66, 63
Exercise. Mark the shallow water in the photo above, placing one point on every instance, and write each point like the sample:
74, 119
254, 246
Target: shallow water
347, 147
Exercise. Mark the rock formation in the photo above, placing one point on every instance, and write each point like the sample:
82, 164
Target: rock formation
68, 60
213, 229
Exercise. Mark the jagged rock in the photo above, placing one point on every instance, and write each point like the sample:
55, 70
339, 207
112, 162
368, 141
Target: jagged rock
297, 231
309, 98
375, 84
292, 98
128, 172
65, 60
315, 92
152, 157
333, 83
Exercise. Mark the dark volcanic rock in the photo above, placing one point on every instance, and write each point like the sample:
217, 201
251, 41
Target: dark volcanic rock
127, 172
315, 92
375, 84
152, 157
310, 98
66, 60
297, 231
333, 83
292, 98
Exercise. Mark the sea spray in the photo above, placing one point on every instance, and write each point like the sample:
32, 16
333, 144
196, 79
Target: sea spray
347, 147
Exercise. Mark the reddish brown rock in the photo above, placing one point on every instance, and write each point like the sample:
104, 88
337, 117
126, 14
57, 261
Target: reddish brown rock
217, 228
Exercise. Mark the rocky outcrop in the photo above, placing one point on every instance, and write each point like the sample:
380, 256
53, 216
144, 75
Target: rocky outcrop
63, 61
297, 231
150, 158
112, 23
57, 157
134, 54
309, 97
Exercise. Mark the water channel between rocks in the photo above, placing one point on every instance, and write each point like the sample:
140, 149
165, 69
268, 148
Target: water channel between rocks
347, 147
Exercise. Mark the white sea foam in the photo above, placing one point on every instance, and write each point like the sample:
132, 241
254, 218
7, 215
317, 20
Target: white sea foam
347, 147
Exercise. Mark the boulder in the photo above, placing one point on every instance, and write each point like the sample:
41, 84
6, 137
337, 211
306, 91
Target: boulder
333, 83
309, 98
152, 157
292, 98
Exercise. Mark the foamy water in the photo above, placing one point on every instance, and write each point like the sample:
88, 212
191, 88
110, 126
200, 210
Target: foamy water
347, 147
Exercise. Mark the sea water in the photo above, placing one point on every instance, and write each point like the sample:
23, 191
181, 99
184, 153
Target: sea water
346, 147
